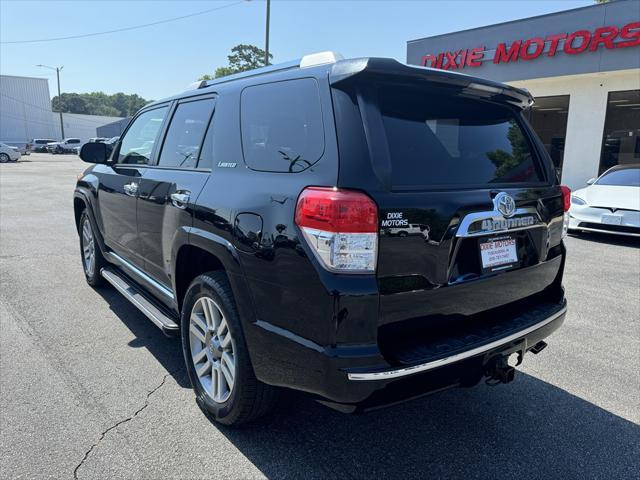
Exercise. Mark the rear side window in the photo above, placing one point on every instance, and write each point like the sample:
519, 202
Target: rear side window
281, 126
186, 131
446, 140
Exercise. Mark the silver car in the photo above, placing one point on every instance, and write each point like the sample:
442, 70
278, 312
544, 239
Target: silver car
8, 154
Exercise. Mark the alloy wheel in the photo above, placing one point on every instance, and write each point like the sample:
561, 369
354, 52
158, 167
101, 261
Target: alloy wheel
212, 349
88, 248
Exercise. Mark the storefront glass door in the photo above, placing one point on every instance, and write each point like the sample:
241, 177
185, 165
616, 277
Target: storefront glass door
621, 140
548, 117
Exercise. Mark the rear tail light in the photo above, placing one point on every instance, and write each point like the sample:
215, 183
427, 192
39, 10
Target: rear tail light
566, 197
341, 227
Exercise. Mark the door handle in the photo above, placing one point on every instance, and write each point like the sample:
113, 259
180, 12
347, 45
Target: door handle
180, 199
131, 189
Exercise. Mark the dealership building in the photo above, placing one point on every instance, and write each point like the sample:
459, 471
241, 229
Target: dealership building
581, 65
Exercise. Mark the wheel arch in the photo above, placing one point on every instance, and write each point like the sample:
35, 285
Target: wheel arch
81, 203
204, 252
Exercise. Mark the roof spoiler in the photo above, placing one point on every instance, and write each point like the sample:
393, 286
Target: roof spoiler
348, 69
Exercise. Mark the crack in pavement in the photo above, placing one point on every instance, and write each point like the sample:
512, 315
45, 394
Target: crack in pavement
117, 424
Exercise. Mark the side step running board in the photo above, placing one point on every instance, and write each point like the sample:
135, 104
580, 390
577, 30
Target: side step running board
165, 323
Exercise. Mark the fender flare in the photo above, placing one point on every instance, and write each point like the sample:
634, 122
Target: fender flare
224, 251
84, 197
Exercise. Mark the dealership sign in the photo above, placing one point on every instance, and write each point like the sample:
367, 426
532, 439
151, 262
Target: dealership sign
580, 41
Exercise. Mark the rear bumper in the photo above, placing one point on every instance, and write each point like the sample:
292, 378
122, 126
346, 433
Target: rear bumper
359, 377
474, 352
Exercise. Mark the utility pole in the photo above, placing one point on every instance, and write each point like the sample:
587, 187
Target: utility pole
266, 42
57, 69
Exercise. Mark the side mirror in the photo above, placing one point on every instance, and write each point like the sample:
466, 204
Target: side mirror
591, 181
94, 153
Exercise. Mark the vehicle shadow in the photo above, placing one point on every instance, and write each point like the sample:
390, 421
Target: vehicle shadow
608, 239
167, 351
529, 429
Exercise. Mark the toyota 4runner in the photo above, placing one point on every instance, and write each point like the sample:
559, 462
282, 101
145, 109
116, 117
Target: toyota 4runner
256, 217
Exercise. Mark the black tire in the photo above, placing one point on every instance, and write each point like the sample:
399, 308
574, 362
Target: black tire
249, 398
94, 278
4, 158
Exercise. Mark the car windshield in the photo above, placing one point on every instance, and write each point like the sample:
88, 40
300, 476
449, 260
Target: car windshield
628, 177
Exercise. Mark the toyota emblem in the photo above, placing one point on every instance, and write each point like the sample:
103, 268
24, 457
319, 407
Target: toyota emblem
505, 204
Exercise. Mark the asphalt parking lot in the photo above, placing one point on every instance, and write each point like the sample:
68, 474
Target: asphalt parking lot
90, 388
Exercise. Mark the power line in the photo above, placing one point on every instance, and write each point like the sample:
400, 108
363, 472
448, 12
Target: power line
124, 29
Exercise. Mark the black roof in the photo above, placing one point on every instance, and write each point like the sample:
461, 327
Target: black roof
342, 70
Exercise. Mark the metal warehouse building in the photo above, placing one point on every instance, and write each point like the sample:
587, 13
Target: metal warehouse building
25, 113
25, 109
583, 67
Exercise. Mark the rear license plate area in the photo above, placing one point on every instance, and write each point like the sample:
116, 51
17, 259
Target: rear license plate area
498, 253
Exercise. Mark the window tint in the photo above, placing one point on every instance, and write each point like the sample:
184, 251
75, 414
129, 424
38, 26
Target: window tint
73, 140
629, 177
281, 125
184, 137
137, 144
446, 140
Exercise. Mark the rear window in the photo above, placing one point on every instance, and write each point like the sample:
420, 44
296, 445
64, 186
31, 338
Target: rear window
281, 125
446, 140
628, 177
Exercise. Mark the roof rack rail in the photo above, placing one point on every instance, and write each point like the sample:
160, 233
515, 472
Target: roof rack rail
310, 60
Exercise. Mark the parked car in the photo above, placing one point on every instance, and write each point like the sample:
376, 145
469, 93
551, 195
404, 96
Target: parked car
22, 147
98, 139
8, 153
40, 144
610, 203
255, 231
68, 145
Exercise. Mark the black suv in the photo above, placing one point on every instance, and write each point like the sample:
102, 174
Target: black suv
361, 230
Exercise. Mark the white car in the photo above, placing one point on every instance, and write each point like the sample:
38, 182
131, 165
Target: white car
610, 204
8, 154
68, 145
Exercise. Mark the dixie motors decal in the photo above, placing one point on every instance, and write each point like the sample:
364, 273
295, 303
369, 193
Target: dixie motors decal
572, 44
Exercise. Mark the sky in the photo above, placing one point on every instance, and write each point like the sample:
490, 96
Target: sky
163, 59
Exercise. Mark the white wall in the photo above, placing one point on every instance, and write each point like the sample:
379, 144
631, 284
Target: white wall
80, 126
585, 123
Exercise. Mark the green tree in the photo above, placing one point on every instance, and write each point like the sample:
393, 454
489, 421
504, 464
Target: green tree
505, 161
99, 103
243, 57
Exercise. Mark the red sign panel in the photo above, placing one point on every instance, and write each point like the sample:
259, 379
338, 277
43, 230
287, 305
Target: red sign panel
572, 44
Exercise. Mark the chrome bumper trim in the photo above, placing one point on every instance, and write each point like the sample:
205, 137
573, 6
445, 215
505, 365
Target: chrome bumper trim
423, 367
